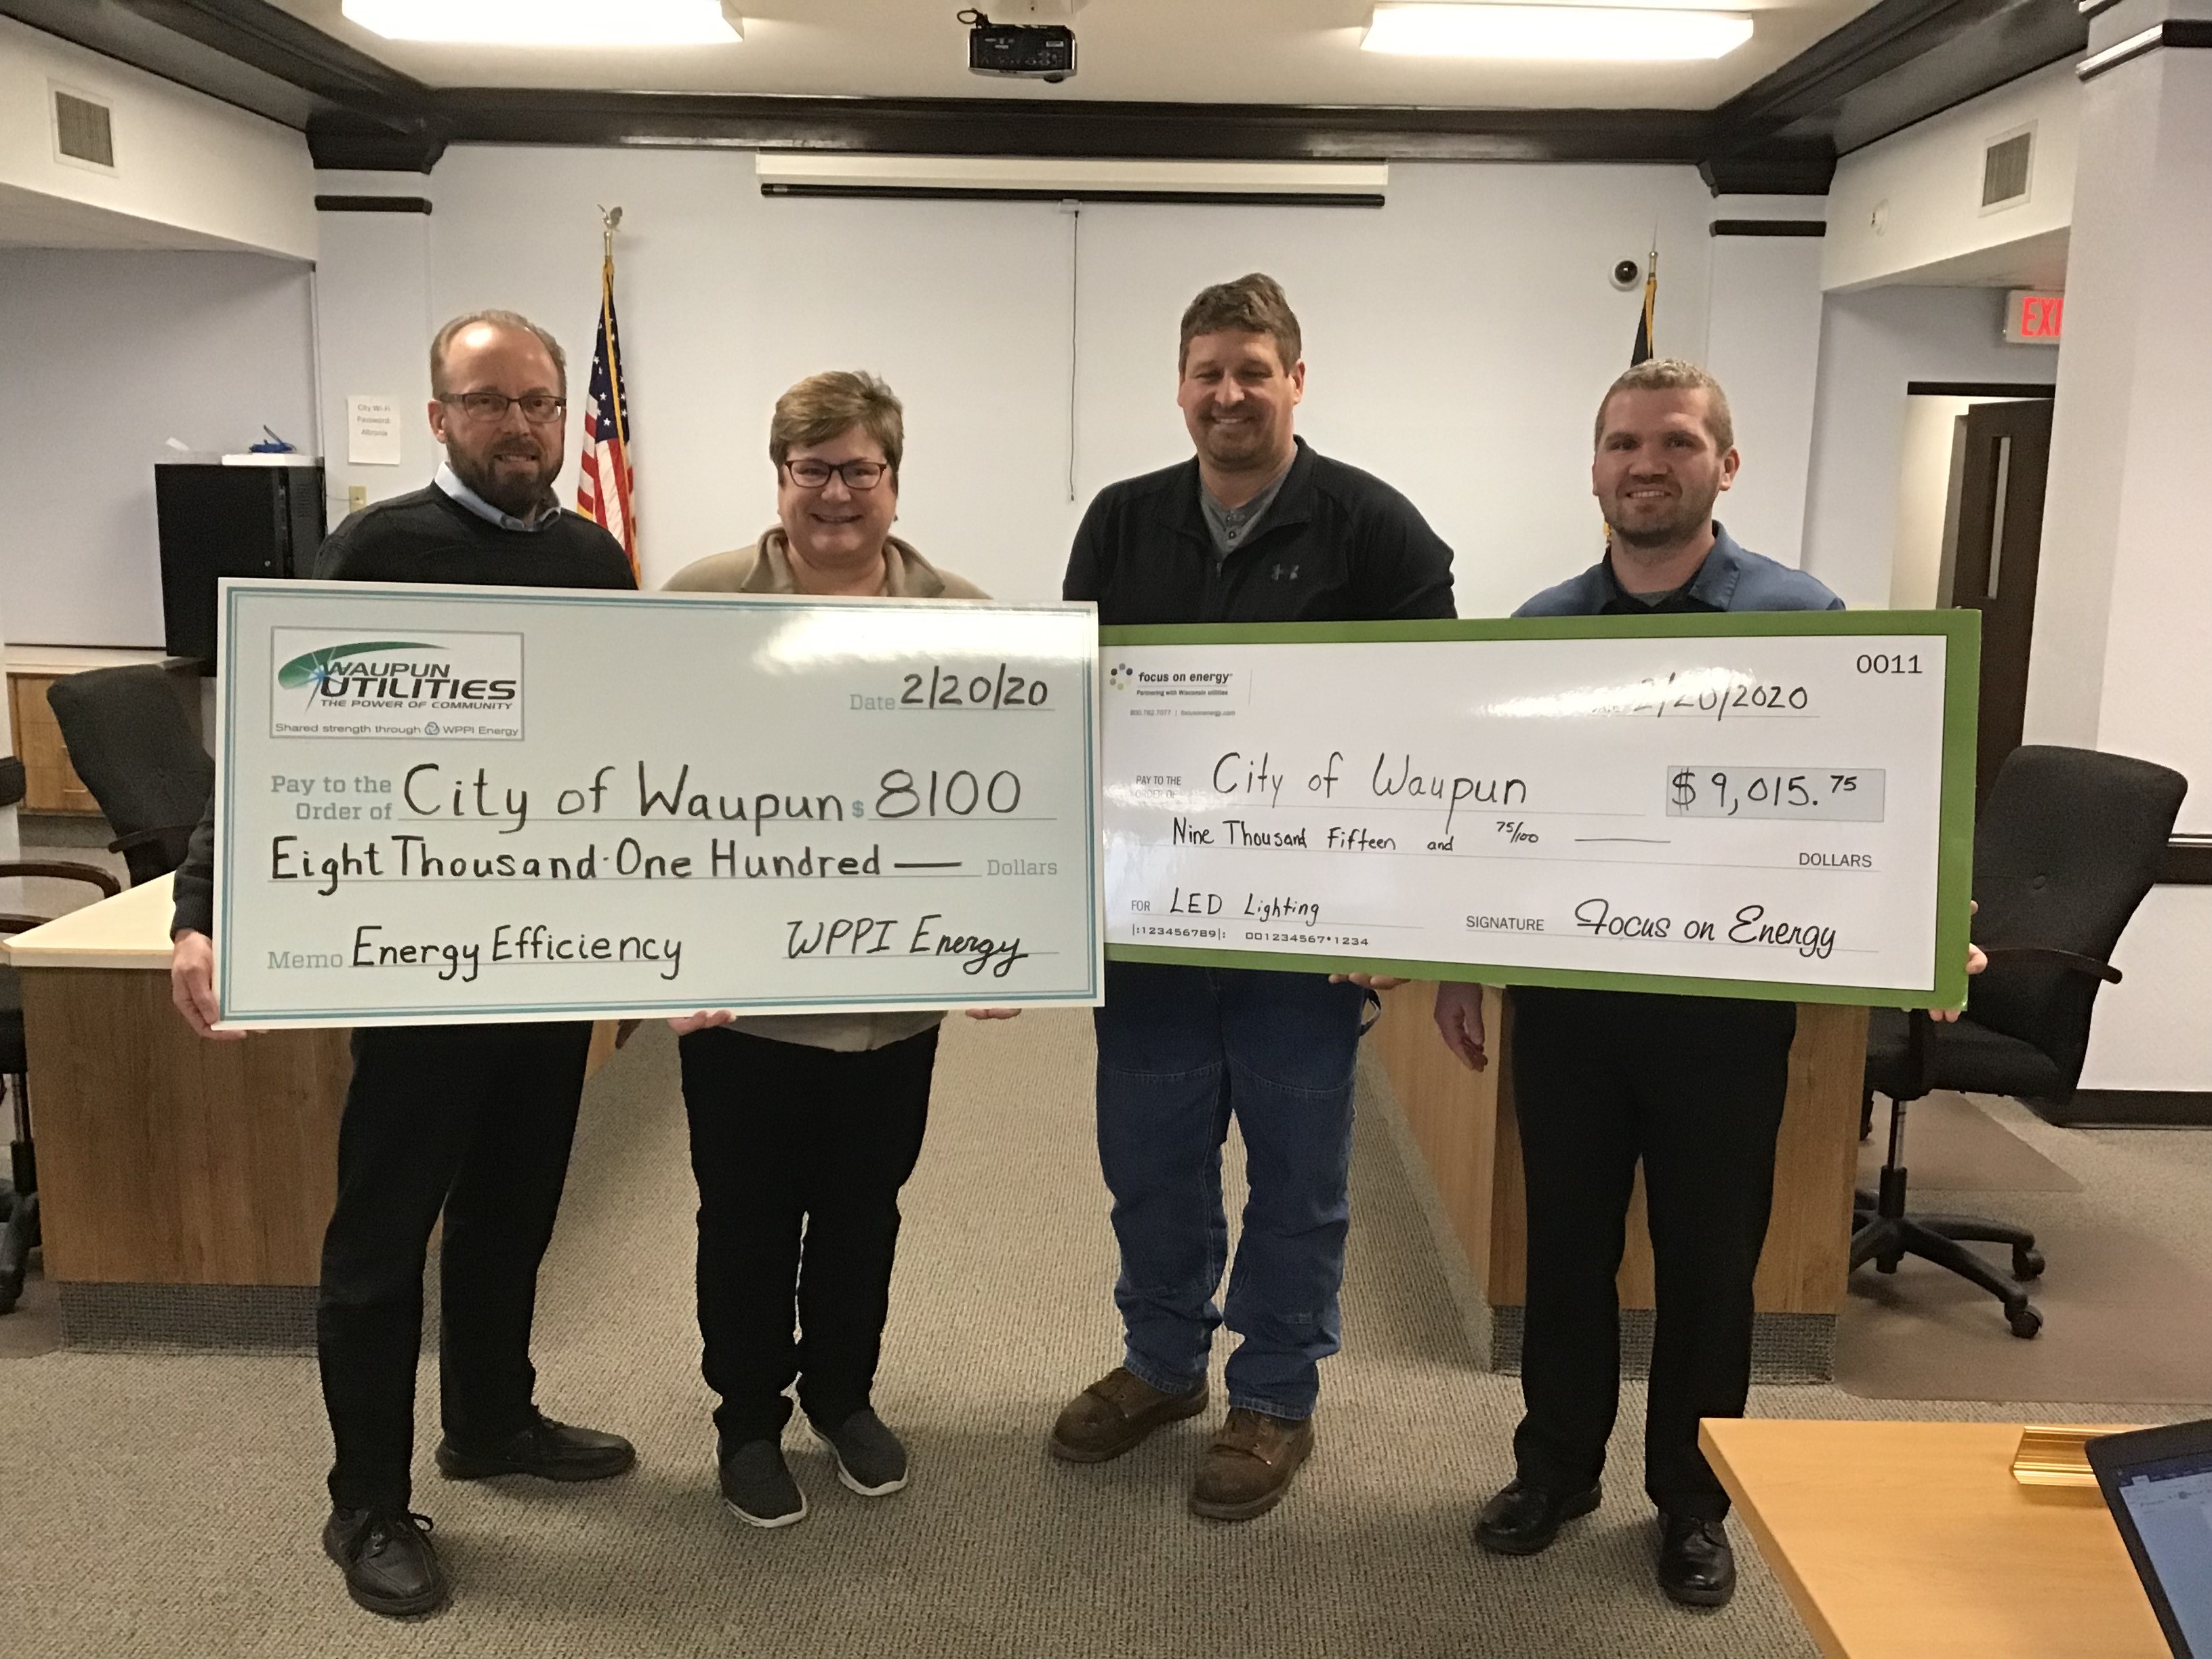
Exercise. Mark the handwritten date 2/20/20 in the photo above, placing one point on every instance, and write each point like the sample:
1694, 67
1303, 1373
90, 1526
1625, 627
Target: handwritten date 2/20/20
999, 688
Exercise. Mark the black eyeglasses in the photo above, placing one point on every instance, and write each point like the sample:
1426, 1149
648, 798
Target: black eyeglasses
812, 474
538, 407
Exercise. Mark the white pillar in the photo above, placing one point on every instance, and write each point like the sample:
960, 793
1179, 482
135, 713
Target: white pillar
372, 328
1763, 344
2123, 655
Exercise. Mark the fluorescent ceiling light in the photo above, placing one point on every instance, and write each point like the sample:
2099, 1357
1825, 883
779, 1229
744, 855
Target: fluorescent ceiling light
1586, 33
551, 22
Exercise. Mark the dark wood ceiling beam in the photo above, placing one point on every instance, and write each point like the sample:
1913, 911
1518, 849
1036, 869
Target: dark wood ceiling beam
2017, 41
1782, 166
1884, 38
1013, 126
277, 43
114, 30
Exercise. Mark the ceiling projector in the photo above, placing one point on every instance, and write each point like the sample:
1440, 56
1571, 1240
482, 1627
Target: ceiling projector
1033, 51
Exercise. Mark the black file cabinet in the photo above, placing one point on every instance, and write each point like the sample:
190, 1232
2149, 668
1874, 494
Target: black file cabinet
217, 521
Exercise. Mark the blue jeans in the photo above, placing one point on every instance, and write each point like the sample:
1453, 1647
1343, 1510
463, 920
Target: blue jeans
1181, 1050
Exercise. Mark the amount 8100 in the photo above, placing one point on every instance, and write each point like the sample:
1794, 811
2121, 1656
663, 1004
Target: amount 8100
942, 689
956, 794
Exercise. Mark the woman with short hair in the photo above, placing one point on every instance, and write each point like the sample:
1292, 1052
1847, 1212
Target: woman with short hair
803, 1126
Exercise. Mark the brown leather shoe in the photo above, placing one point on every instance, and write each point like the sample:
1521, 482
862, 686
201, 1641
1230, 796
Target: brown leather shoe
1115, 1413
1249, 1466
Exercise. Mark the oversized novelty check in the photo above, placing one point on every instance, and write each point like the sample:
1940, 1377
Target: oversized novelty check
1764, 805
448, 804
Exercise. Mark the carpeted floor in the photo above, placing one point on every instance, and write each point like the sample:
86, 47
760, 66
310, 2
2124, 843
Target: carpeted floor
169, 1505
2123, 1298
1954, 1144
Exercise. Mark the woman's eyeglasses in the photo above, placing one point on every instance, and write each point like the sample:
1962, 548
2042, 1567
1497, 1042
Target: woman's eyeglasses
810, 474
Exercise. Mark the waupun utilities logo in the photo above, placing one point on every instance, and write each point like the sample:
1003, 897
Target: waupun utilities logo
459, 686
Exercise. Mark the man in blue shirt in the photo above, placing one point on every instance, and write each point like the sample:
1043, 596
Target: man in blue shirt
1691, 1087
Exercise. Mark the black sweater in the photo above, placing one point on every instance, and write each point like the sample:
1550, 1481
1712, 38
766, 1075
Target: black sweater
427, 537
1338, 545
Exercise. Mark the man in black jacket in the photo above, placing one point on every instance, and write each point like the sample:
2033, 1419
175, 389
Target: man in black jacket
1256, 527
472, 1120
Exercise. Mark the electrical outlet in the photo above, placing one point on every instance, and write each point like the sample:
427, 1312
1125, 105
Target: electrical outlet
356, 497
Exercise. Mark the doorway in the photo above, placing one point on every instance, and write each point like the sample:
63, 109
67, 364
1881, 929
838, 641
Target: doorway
1985, 555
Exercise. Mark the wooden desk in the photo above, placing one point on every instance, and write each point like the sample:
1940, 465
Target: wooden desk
1463, 1125
1912, 1540
184, 1184
49, 782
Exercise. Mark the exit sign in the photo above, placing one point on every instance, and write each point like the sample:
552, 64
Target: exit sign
2033, 319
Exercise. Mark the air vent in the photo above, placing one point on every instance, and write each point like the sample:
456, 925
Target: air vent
2004, 170
83, 131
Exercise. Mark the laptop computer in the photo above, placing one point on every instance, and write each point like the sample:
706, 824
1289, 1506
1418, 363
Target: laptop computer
2158, 1484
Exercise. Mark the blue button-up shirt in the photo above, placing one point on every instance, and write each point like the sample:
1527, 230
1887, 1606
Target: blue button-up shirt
1730, 579
450, 481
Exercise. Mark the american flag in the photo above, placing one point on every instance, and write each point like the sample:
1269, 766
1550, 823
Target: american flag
1642, 350
604, 486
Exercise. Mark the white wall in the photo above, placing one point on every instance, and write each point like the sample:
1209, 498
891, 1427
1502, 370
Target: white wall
1912, 202
1458, 340
2151, 1030
104, 356
183, 160
1872, 344
1764, 347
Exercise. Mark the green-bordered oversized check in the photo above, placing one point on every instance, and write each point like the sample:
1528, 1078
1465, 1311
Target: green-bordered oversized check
1777, 805
451, 804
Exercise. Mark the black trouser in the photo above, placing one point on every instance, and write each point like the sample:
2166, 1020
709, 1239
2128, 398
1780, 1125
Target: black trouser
799, 1153
475, 1120
1693, 1087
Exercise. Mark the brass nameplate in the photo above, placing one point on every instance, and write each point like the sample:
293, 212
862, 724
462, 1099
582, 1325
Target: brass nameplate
2057, 1454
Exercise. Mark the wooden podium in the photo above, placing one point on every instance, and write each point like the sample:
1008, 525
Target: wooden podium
1462, 1125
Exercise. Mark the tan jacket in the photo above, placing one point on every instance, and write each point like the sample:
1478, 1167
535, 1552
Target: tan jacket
765, 568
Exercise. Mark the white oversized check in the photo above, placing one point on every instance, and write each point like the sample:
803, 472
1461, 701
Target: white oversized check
1776, 806
449, 803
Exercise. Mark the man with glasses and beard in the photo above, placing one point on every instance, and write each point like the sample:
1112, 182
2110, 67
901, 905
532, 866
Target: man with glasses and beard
1692, 1086
473, 1121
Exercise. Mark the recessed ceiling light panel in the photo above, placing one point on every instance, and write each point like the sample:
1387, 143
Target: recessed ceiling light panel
551, 22
1584, 33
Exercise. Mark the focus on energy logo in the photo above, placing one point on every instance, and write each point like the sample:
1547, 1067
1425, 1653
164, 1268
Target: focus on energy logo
1120, 676
446, 686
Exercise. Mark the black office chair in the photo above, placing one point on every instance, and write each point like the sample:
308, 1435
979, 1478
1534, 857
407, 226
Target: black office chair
2067, 845
130, 741
19, 1196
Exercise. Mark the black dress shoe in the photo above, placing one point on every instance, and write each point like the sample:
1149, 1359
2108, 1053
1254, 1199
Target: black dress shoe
1696, 1568
1523, 1519
389, 1564
550, 1451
